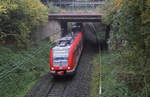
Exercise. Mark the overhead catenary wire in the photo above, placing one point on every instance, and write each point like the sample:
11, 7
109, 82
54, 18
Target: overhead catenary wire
4, 75
24, 60
18, 65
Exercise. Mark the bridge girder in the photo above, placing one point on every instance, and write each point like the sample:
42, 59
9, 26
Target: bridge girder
76, 17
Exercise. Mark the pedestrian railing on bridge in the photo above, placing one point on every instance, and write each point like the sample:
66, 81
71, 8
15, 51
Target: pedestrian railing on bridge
78, 5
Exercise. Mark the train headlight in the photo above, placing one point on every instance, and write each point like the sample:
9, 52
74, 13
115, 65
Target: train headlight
52, 68
69, 67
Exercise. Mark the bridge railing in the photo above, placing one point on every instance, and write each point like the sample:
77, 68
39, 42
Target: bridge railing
78, 5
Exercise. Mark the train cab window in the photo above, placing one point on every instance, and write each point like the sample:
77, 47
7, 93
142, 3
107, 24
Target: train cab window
61, 58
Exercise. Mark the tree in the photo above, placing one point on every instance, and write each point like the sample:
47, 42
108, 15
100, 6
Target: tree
19, 19
130, 21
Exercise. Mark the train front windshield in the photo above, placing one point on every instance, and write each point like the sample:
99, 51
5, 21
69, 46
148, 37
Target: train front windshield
60, 58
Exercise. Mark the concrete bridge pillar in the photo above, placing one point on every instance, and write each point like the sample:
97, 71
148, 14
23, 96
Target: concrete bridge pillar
55, 30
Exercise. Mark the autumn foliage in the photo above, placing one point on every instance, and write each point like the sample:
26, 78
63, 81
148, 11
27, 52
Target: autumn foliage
118, 3
19, 18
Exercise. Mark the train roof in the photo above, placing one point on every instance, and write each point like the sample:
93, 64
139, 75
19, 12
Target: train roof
66, 41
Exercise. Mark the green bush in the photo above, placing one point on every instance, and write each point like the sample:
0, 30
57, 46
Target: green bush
111, 83
19, 18
19, 70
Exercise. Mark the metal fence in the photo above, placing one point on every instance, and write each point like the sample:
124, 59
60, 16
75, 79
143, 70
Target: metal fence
77, 5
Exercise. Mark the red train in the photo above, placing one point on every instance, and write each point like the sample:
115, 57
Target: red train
65, 55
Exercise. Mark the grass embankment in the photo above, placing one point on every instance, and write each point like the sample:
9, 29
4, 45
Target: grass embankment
112, 86
20, 69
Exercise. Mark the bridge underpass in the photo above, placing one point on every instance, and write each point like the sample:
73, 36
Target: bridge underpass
58, 22
72, 11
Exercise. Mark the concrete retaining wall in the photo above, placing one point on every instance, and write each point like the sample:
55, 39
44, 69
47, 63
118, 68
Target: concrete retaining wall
52, 30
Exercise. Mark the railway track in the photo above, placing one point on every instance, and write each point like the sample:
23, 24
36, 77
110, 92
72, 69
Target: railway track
57, 88
77, 86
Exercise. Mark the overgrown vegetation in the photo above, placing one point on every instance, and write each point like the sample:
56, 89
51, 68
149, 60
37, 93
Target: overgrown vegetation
112, 85
19, 70
19, 18
130, 37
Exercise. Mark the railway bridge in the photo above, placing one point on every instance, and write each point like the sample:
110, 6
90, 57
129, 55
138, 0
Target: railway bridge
58, 22
75, 11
